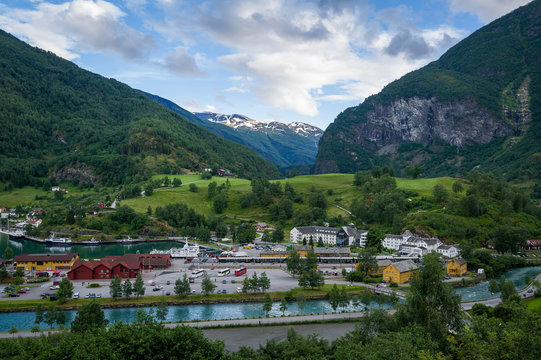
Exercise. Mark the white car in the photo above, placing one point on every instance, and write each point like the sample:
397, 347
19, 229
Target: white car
54, 287
75, 295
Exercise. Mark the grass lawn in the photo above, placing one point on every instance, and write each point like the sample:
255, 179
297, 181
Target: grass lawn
25, 195
534, 305
424, 186
9, 305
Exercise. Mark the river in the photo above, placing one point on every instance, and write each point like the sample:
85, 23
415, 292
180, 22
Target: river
182, 313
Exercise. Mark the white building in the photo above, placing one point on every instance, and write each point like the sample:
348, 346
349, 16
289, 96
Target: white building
393, 242
344, 236
450, 251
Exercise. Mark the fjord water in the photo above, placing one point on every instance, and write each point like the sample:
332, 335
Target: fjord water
85, 251
25, 320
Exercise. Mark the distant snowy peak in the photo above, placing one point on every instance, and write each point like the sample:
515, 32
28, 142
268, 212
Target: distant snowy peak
237, 121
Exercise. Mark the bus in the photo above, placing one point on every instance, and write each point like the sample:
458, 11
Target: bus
224, 272
240, 271
197, 273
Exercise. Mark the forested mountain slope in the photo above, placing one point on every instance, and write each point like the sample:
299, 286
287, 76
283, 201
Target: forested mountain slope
478, 106
59, 120
283, 145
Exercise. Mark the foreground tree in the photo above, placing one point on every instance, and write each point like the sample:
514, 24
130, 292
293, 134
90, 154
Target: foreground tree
127, 288
366, 261
430, 302
267, 305
89, 317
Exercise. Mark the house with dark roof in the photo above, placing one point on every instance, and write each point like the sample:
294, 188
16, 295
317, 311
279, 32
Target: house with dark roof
400, 272
344, 236
456, 267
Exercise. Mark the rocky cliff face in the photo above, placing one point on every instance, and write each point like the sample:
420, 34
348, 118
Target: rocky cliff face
477, 107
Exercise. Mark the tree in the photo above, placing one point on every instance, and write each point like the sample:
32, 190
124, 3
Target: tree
457, 187
177, 182
264, 282
182, 287
220, 203
294, 172
343, 299
509, 238
149, 210
90, 316
440, 193
13, 330
138, 286
149, 189
366, 261
127, 288
65, 290
310, 262
283, 306
301, 300
162, 310
193, 187
18, 281
8, 253
311, 278
166, 181
493, 286
320, 242
211, 190
3, 274
207, 285
266, 236
115, 288
50, 315
334, 297
508, 289
267, 305
293, 262
431, 303
40, 311
278, 234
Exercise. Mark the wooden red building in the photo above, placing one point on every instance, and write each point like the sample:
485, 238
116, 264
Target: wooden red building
126, 266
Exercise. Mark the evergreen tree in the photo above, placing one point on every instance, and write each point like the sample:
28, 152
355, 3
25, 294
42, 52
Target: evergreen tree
8, 253
115, 287
264, 282
162, 310
65, 290
138, 286
90, 316
283, 306
207, 286
127, 288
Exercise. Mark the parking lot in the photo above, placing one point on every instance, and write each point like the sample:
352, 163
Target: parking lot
162, 282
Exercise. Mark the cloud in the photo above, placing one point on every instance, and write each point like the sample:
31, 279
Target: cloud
181, 63
293, 49
486, 10
77, 26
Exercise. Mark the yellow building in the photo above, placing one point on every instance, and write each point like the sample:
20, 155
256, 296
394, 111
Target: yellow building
456, 267
400, 272
45, 262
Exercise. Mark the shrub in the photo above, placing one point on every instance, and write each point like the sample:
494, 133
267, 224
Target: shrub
93, 285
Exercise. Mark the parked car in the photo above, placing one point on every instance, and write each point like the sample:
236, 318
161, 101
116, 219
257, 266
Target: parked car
75, 295
224, 281
193, 291
22, 291
239, 290
45, 295
98, 295
168, 293
54, 287
224, 291
168, 282
14, 295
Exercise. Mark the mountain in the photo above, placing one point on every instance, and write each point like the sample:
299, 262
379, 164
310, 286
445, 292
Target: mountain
60, 121
477, 107
283, 145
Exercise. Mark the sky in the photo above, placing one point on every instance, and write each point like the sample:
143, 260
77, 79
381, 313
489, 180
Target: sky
271, 60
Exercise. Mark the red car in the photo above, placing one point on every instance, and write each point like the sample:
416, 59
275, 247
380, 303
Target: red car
22, 291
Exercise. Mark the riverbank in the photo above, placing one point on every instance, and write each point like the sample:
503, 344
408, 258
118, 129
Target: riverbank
145, 301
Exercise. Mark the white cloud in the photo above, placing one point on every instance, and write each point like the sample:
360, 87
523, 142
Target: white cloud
293, 48
486, 10
181, 63
81, 25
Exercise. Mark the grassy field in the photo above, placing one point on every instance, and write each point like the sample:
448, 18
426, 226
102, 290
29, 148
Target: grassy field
424, 186
25, 195
534, 305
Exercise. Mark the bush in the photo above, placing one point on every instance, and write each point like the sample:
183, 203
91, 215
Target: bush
37, 280
393, 284
93, 285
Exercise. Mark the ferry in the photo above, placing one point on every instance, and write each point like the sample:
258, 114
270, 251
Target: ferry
187, 252
53, 240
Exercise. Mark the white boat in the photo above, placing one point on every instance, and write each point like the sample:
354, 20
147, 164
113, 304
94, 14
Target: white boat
129, 240
65, 241
187, 252
90, 242
17, 234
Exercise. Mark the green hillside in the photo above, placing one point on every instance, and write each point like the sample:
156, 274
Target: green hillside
60, 121
496, 72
